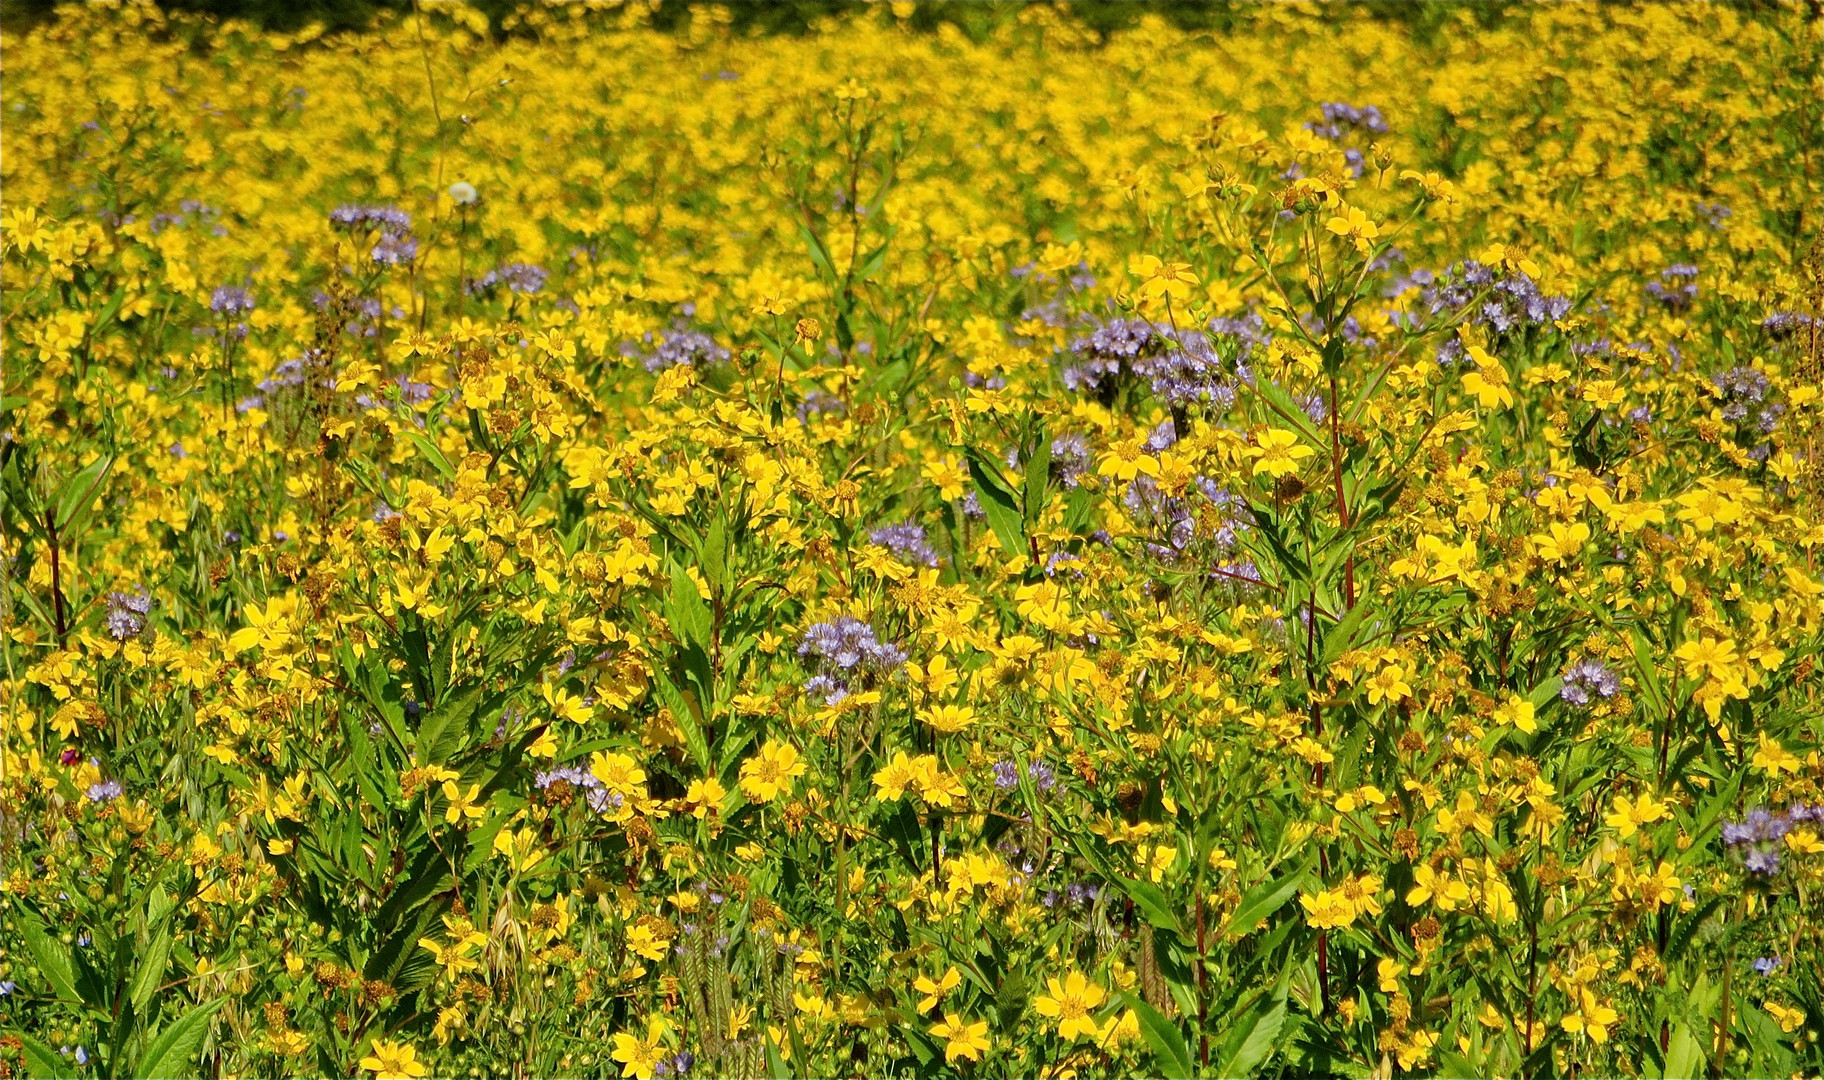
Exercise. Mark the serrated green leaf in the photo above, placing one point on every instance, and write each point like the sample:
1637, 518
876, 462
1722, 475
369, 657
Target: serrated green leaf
1173, 1054
1252, 1040
51, 957
173, 1053
1260, 902
41, 1062
999, 504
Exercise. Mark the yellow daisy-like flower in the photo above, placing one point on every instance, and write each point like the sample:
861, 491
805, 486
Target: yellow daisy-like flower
770, 775
1070, 1002
1278, 452
393, 1061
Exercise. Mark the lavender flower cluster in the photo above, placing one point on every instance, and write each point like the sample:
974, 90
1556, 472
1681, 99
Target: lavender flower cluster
1586, 681
1676, 287
690, 348
1007, 775
1173, 520
1743, 388
595, 793
1070, 459
1109, 351
1341, 121
1513, 303
906, 541
230, 300
1201, 369
396, 245
127, 613
1205, 367
523, 278
1785, 324
1757, 836
847, 656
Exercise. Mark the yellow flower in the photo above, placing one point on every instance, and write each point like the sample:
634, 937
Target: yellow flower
462, 807
1789, 1018
1773, 759
949, 719
893, 778
1714, 656
1489, 381
1388, 684
1070, 1003
1564, 542
618, 773
1328, 910
770, 775
640, 1057
1355, 225
1126, 460
393, 1061
934, 990
521, 850
1518, 712
1278, 452
963, 1039
1592, 1018
1627, 818
1160, 278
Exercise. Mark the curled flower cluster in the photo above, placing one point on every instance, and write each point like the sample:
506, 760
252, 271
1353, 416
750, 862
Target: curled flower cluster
1588, 681
848, 657
1756, 838
690, 348
906, 541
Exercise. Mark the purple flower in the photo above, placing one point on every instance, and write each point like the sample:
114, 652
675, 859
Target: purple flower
516, 277
845, 653
388, 219
127, 613
1757, 836
230, 300
1587, 680
395, 250
1069, 459
104, 790
689, 348
906, 541
1006, 775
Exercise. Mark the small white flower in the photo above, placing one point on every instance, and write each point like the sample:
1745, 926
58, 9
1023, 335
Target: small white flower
464, 193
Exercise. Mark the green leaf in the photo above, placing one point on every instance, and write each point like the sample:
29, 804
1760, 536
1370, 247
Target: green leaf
1684, 1054
1260, 902
431, 452
1341, 637
173, 1054
151, 970
1163, 1036
689, 616
1291, 412
1543, 694
78, 492
41, 1062
1038, 478
998, 503
1152, 902
820, 255
712, 559
686, 717
1252, 1040
52, 959
873, 261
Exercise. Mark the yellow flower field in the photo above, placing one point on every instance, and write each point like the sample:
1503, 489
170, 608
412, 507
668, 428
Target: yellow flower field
956, 542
